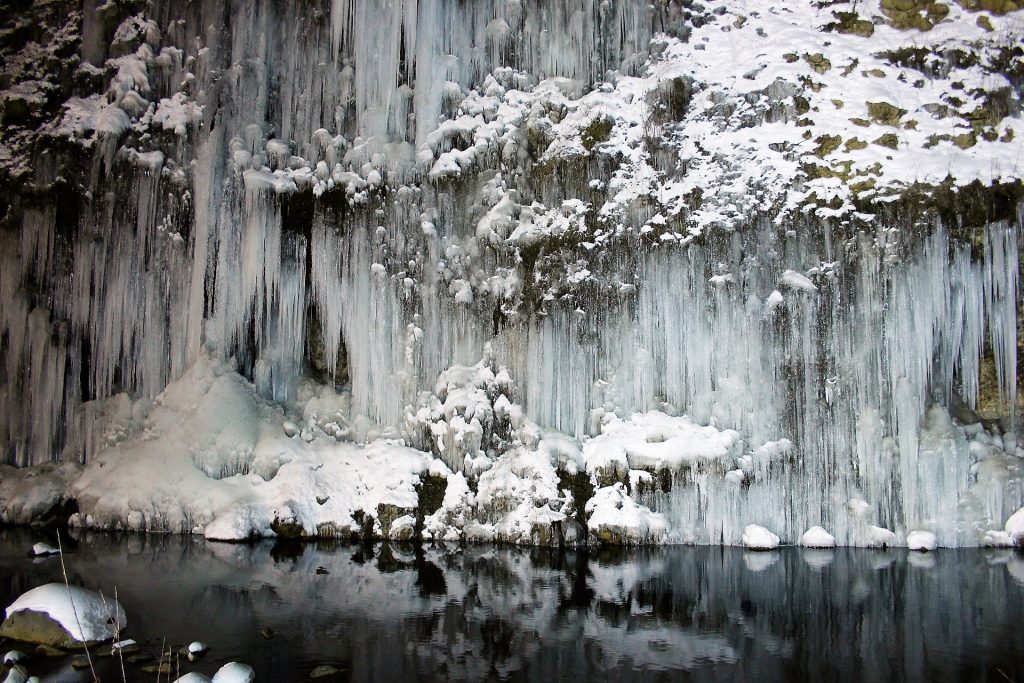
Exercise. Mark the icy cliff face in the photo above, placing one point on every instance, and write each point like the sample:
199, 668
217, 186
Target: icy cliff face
688, 267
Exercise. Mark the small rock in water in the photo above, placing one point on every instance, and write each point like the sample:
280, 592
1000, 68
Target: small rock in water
324, 671
124, 647
321, 570
17, 674
81, 662
14, 657
235, 672
140, 658
756, 537
161, 669
267, 633
817, 537
42, 549
62, 616
49, 651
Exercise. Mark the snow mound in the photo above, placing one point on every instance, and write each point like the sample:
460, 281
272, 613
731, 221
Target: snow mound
922, 540
42, 549
234, 672
193, 677
817, 537
1015, 525
757, 537
880, 536
616, 519
654, 440
87, 615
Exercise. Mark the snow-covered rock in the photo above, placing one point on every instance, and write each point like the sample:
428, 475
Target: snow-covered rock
614, 518
922, 540
1015, 526
193, 677
235, 672
63, 616
42, 549
14, 657
817, 537
756, 537
880, 536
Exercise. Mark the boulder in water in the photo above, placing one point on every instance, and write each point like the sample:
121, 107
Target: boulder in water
63, 616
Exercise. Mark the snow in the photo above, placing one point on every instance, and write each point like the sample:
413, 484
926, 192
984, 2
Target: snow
657, 441
194, 677
757, 537
881, 536
42, 549
817, 537
197, 648
615, 517
85, 614
922, 540
1015, 526
14, 657
234, 672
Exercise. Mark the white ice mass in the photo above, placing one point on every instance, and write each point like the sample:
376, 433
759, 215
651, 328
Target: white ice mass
514, 271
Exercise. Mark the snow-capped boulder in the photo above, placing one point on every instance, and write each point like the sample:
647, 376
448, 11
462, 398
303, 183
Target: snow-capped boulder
43, 549
193, 677
922, 540
62, 616
616, 519
14, 657
234, 672
756, 537
1015, 526
880, 536
817, 537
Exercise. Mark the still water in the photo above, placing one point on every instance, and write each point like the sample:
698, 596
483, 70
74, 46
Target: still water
389, 613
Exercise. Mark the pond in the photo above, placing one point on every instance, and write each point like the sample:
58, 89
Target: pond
399, 612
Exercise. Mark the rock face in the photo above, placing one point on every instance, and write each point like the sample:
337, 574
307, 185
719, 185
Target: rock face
63, 616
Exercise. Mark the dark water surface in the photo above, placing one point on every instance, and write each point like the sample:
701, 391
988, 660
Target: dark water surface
387, 613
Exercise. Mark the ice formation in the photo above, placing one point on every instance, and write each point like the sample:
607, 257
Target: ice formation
599, 272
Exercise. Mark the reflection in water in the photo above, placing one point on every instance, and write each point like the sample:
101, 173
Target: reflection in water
396, 612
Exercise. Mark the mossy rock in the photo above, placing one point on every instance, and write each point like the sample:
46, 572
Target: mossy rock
596, 132
854, 144
827, 144
287, 528
994, 6
863, 186
863, 123
388, 513
885, 113
29, 626
888, 140
850, 22
790, 57
914, 14
819, 62
965, 140
985, 23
